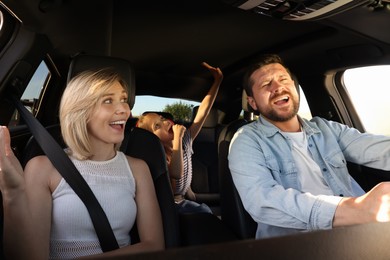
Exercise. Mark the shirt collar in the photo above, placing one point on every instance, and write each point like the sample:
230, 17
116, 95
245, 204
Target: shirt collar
269, 129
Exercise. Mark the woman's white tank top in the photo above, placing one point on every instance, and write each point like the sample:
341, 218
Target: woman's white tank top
72, 231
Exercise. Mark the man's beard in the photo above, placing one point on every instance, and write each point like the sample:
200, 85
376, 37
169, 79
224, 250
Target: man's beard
273, 115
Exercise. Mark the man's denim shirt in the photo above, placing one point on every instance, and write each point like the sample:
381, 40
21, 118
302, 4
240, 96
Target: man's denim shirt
266, 177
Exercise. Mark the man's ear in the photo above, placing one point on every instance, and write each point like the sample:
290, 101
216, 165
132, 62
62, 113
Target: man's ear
252, 103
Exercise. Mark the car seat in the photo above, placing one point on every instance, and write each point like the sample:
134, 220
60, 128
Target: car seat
142, 144
233, 213
205, 179
187, 229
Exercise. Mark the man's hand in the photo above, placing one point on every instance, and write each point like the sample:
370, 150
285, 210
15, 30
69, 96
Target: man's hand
374, 206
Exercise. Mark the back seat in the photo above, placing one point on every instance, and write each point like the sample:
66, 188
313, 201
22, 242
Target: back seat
205, 179
142, 144
187, 229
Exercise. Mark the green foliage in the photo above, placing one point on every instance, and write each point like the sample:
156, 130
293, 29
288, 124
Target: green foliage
181, 112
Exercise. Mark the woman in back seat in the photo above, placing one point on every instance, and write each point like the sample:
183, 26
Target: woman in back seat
177, 142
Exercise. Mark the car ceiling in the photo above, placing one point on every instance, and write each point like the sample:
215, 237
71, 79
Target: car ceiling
166, 41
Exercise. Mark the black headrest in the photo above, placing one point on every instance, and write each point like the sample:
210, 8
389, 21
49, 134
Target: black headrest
245, 106
89, 62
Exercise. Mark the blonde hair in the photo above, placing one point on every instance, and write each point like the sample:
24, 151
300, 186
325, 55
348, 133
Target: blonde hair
144, 123
79, 101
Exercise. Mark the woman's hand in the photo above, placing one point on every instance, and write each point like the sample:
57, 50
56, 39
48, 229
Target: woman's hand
11, 172
178, 131
216, 72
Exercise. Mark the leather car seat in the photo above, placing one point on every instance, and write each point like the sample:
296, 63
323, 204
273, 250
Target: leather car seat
142, 144
205, 179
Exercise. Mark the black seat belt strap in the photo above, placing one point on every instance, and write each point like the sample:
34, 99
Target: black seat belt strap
69, 172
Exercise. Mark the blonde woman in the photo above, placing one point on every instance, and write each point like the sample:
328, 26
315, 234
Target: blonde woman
43, 217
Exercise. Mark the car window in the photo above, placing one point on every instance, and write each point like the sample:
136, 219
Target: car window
368, 88
33, 93
181, 109
304, 109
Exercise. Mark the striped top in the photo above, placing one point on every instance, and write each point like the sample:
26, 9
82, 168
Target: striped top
184, 183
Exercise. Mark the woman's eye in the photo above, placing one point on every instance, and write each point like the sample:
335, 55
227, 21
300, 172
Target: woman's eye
124, 100
107, 101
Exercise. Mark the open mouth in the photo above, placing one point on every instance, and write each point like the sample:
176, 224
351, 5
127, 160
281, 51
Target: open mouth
118, 124
281, 100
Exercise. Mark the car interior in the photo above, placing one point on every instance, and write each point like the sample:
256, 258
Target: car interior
158, 47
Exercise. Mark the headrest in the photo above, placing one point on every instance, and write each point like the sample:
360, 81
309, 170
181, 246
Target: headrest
244, 102
123, 67
249, 113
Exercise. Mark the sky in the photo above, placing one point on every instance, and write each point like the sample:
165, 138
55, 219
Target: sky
150, 103
370, 91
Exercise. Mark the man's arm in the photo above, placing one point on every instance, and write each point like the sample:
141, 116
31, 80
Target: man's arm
374, 206
258, 181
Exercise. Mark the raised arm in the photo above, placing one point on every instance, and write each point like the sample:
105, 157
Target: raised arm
207, 102
27, 205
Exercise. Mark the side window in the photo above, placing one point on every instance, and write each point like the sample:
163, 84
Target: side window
33, 93
304, 109
368, 89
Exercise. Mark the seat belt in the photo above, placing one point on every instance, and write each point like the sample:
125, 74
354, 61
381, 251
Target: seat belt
69, 172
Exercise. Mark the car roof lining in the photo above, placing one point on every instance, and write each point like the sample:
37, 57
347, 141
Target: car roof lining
169, 40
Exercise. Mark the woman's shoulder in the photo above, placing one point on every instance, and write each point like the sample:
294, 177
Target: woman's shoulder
139, 168
136, 164
40, 169
41, 162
